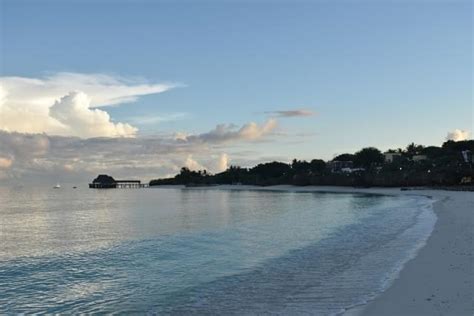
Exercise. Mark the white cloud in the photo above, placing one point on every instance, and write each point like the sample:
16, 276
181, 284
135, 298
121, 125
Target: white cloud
43, 157
47, 131
40, 156
229, 132
170, 117
458, 135
76, 118
103, 89
3, 95
223, 162
192, 164
25, 102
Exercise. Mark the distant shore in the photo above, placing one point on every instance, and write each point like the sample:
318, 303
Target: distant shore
440, 279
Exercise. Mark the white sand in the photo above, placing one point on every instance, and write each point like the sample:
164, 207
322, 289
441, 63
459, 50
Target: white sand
440, 279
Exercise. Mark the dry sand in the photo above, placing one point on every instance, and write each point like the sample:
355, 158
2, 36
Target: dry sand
440, 279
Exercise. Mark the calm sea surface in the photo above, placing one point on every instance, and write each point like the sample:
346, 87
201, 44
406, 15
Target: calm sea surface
184, 251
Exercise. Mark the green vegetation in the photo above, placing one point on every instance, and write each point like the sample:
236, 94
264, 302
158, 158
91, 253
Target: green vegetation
415, 166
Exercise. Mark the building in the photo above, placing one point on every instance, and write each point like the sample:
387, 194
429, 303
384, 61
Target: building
419, 157
467, 155
352, 170
337, 166
104, 181
391, 156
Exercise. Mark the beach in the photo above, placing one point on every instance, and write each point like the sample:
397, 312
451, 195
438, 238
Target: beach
440, 279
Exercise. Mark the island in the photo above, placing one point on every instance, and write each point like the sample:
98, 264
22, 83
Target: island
448, 166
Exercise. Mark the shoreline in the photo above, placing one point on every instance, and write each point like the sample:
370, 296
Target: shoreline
439, 280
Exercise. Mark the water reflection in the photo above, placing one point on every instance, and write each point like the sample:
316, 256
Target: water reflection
158, 250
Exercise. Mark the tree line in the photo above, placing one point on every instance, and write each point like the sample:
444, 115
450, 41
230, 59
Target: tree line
415, 165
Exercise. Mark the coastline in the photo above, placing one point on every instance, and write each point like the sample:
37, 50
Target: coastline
439, 280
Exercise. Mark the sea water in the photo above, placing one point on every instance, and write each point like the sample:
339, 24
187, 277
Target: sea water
202, 251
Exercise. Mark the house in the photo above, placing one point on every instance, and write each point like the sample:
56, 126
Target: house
391, 156
103, 181
467, 156
337, 166
352, 170
419, 157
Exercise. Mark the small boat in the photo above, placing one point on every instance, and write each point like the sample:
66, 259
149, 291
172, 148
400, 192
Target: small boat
57, 186
74, 187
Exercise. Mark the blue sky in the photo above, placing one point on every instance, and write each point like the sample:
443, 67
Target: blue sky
379, 73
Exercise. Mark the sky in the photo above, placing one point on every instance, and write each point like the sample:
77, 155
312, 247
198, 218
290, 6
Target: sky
141, 88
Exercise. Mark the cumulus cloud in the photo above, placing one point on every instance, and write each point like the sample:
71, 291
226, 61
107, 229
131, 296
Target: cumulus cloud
42, 156
223, 162
76, 118
291, 113
458, 135
224, 133
57, 125
192, 164
25, 102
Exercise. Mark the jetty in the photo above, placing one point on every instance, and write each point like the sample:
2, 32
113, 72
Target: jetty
104, 181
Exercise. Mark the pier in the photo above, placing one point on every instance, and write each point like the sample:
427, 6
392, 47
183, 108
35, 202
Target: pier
130, 184
104, 181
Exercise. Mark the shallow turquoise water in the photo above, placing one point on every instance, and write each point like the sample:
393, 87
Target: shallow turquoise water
182, 251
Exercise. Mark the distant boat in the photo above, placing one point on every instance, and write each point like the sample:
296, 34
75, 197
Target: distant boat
57, 186
74, 187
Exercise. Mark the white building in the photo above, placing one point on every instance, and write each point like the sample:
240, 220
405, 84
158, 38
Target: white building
391, 157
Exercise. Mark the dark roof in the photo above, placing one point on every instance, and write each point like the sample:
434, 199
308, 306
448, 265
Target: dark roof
103, 178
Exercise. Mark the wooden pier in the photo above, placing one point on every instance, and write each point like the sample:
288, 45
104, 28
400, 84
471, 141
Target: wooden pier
130, 184
104, 181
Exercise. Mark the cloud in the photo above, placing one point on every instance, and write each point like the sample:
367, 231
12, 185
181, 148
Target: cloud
25, 102
3, 95
224, 133
103, 89
458, 135
23, 146
223, 162
40, 156
5, 163
291, 113
192, 164
144, 120
73, 112
57, 126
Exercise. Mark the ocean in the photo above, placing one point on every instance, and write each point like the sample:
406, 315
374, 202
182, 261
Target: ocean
202, 251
